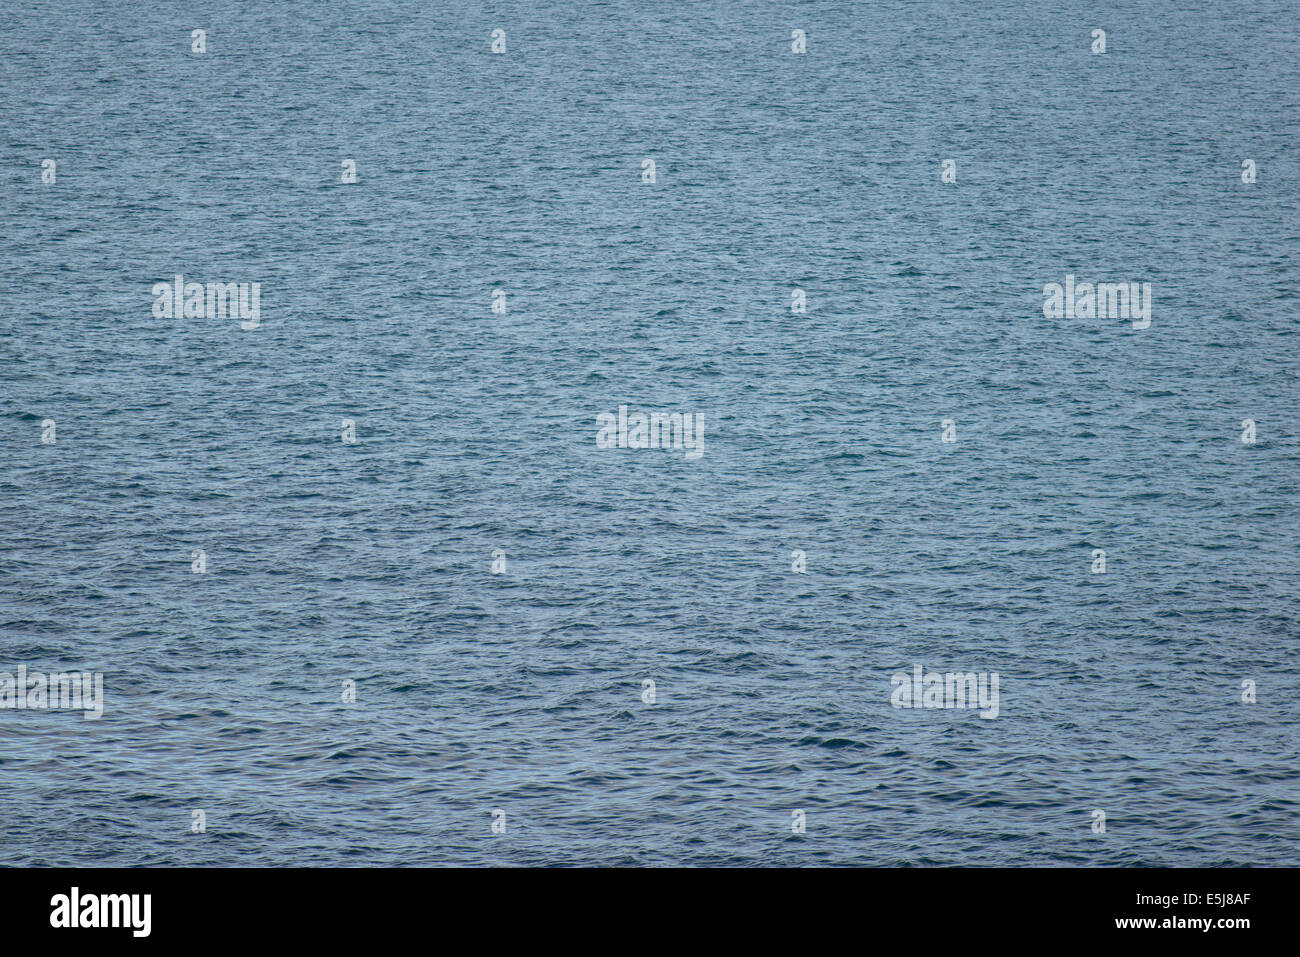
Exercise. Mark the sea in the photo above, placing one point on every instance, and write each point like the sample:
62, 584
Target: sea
370, 579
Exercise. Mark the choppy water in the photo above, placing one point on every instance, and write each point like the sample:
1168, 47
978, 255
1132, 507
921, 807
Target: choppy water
522, 691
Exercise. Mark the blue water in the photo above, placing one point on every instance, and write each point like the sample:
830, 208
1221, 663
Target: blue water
522, 691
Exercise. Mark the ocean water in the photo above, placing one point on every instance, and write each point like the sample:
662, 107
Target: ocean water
521, 691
